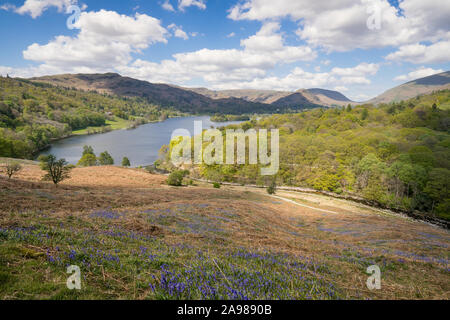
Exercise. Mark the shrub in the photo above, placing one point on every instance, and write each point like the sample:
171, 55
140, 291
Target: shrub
126, 162
176, 178
216, 185
150, 169
272, 189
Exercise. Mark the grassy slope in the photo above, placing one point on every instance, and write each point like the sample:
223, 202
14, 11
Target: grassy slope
21, 161
136, 238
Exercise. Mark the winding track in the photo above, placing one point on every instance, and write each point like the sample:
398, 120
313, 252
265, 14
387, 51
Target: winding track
303, 205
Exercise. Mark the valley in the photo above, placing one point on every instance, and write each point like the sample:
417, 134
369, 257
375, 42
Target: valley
134, 236
224, 159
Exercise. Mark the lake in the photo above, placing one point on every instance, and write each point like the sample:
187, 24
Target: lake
140, 145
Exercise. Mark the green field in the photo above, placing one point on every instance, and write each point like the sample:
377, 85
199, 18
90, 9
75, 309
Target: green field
116, 124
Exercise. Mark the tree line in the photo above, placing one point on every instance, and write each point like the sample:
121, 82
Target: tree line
89, 159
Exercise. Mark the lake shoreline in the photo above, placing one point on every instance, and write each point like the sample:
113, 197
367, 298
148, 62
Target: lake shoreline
140, 144
72, 134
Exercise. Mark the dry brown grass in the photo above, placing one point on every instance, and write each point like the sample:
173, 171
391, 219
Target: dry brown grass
415, 255
107, 176
90, 188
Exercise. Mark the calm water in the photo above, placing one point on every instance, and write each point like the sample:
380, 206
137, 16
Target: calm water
140, 145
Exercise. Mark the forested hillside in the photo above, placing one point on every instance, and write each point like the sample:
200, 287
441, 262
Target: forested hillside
32, 114
396, 154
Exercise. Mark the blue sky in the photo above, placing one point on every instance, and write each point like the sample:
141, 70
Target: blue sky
359, 47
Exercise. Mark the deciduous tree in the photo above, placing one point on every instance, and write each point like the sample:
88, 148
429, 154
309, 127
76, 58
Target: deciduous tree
57, 170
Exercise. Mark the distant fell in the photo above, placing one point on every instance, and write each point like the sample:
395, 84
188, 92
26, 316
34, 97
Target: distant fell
415, 88
314, 96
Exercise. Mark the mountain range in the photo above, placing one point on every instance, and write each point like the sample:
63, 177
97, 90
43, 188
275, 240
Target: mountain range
280, 98
165, 95
202, 100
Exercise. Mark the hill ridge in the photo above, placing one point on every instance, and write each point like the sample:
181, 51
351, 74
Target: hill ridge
414, 88
165, 95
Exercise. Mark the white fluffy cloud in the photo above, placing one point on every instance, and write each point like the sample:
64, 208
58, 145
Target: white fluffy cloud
341, 89
299, 78
178, 31
23, 73
269, 43
35, 8
422, 72
341, 25
419, 53
259, 54
167, 6
356, 75
45, 69
182, 4
7, 7
106, 39
232, 70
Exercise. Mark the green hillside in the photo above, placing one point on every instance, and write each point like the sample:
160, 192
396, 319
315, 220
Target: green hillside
32, 114
397, 155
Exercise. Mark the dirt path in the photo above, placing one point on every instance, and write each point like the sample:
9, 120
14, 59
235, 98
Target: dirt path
302, 205
326, 204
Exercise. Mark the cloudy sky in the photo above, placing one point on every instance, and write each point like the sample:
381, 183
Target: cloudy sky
359, 47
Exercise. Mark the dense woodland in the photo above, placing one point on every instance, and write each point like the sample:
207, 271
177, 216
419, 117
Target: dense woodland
32, 114
395, 154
